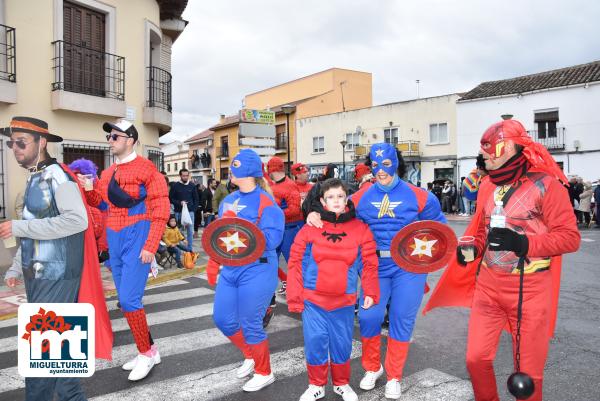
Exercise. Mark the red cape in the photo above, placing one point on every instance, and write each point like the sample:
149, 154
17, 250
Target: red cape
457, 284
90, 287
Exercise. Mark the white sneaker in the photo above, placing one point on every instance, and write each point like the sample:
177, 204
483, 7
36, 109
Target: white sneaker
370, 378
246, 368
131, 364
346, 392
143, 366
392, 389
313, 393
258, 382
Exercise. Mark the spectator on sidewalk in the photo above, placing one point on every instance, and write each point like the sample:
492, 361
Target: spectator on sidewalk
207, 198
585, 203
185, 192
219, 194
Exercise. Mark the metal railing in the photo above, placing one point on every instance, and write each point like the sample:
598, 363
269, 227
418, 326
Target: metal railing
408, 148
91, 72
157, 158
281, 142
222, 152
8, 54
99, 154
552, 139
159, 88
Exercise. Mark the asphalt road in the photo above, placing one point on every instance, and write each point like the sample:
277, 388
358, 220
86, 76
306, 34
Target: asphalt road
198, 362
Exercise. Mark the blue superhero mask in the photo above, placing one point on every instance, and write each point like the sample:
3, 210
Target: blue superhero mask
384, 157
247, 163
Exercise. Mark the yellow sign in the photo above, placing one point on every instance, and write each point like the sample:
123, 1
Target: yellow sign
257, 116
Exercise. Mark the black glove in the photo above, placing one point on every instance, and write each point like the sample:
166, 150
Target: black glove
505, 239
460, 258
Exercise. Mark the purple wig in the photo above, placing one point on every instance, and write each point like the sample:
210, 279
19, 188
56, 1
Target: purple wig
84, 166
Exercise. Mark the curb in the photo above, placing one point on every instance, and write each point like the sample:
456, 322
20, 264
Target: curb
163, 278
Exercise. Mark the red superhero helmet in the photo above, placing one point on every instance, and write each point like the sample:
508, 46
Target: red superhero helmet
492, 141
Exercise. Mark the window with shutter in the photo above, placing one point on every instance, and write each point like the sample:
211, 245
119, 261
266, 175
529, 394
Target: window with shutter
84, 49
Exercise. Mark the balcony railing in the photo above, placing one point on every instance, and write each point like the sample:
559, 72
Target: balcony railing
551, 139
8, 54
159, 88
222, 152
281, 142
91, 72
408, 148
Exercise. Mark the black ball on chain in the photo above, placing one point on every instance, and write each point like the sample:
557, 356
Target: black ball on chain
520, 385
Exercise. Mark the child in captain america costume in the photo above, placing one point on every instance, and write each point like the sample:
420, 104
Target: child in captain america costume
322, 281
138, 212
243, 293
386, 207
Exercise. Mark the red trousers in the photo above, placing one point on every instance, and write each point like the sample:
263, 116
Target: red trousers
495, 308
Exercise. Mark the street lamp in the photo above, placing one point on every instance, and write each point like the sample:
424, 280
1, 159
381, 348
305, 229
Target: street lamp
344, 143
287, 110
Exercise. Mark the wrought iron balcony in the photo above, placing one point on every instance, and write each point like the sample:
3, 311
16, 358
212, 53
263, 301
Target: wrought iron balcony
281, 142
91, 72
552, 139
408, 148
8, 57
159, 88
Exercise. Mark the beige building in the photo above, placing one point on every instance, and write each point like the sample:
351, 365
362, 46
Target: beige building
175, 158
201, 157
80, 63
423, 129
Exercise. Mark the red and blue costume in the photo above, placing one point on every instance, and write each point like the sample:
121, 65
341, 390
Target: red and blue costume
138, 201
386, 210
322, 279
243, 293
287, 196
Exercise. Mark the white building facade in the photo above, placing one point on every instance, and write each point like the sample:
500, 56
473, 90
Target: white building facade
423, 129
176, 157
565, 118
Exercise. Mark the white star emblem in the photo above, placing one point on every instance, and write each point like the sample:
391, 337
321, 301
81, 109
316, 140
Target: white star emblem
233, 242
379, 153
422, 247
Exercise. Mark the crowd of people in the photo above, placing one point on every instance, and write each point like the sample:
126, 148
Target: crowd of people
332, 237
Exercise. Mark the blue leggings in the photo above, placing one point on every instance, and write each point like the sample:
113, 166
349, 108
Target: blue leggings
327, 334
242, 297
405, 292
129, 273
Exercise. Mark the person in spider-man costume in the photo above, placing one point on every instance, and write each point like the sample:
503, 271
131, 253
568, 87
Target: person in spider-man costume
138, 201
387, 206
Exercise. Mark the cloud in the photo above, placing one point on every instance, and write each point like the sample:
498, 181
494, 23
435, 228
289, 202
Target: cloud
232, 48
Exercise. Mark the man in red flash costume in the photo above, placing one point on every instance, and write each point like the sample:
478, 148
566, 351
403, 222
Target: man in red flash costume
540, 227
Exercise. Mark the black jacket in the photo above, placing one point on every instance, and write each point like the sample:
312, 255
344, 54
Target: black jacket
182, 192
207, 201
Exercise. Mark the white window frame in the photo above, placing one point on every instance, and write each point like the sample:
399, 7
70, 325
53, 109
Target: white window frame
397, 136
352, 141
438, 141
318, 149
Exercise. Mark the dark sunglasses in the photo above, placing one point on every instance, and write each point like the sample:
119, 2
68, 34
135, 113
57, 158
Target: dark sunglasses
115, 137
20, 143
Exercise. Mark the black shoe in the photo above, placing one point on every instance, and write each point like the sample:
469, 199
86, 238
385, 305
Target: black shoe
273, 303
179, 265
268, 317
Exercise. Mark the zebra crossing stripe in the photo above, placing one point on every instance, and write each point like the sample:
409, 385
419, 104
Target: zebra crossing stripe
10, 343
168, 346
220, 381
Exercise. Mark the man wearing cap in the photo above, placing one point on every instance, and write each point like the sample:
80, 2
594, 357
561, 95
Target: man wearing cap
242, 294
57, 256
138, 212
539, 228
288, 198
300, 173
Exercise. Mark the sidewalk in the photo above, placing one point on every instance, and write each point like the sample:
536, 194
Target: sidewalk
11, 298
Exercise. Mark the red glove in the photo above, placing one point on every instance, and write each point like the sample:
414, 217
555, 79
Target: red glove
293, 308
212, 271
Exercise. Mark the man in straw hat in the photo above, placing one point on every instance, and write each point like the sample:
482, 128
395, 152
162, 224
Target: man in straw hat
57, 257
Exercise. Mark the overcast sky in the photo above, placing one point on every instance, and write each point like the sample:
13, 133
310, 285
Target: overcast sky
235, 47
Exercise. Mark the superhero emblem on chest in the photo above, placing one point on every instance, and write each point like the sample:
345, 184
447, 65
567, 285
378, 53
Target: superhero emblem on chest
334, 237
386, 207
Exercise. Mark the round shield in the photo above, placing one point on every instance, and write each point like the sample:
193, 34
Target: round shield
424, 246
232, 241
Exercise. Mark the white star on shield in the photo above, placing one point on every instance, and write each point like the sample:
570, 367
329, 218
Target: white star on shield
232, 242
423, 247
